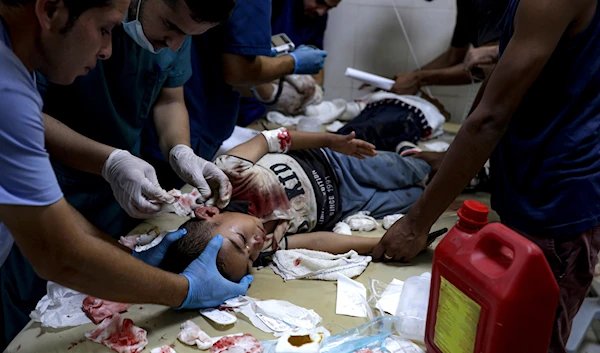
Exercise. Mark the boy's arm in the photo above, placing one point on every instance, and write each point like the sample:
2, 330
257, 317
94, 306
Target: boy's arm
257, 147
332, 242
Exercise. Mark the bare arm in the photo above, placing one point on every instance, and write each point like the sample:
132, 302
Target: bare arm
240, 70
452, 56
450, 76
446, 69
73, 149
171, 119
257, 147
539, 26
332, 242
90, 229
61, 250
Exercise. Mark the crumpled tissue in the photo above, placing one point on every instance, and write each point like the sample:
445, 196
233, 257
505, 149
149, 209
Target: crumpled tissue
342, 228
146, 241
362, 221
275, 316
388, 221
60, 308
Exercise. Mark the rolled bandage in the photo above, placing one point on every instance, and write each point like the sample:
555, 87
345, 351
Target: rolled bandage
279, 140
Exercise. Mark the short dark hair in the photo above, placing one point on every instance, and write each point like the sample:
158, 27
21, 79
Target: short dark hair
75, 7
187, 249
214, 11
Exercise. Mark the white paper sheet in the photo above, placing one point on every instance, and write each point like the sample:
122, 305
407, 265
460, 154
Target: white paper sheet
351, 298
373, 80
281, 315
390, 297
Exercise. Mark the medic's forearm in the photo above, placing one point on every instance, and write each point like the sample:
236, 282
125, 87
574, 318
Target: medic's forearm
242, 71
469, 151
171, 120
96, 268
60, 250
73, 149
95, 232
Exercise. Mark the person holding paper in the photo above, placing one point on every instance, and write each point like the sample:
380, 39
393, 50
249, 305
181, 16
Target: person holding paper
477, 26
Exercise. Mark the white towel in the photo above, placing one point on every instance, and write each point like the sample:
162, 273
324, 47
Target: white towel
310, 264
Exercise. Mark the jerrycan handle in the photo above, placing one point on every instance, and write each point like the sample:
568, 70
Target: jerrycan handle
493, 255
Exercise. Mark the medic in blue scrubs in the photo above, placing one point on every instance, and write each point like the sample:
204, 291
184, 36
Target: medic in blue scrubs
144, 78
225, 61
304, 22
52, 241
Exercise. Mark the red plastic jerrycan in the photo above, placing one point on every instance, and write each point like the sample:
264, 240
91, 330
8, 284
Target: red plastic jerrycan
492, 290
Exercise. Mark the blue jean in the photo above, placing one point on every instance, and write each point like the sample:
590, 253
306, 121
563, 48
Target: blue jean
384, 184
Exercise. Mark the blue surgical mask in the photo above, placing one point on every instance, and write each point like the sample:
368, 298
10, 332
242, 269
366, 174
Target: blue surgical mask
135, 31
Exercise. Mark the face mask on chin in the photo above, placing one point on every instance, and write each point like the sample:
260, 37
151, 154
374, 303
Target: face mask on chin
135, 31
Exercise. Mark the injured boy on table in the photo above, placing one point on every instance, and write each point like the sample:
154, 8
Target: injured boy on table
289, 190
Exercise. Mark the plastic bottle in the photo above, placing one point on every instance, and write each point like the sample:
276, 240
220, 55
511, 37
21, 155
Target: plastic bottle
412, 307
492, 290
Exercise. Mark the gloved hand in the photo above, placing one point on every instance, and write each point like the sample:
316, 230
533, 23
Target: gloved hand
155, 255
308, 60
134, 183
201, 174
207, 288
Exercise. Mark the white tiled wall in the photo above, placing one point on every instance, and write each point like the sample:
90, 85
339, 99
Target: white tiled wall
366, 35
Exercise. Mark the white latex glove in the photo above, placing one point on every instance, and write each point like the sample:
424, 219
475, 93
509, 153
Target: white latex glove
201, 174
134, 184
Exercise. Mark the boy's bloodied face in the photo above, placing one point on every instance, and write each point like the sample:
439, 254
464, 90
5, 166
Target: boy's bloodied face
243, 239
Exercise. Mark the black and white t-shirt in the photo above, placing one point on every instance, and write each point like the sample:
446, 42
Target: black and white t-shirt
299, 190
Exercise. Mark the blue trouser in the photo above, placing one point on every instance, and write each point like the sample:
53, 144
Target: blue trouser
384, 184
20, 290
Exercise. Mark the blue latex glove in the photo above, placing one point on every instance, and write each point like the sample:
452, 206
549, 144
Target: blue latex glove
308, 60
154, 256
207, 288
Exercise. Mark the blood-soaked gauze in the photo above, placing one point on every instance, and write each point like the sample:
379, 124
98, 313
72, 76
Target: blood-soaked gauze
279, 141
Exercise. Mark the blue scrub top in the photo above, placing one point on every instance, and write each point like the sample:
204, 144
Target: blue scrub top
111, 105
212, 104
288, 17
27, 178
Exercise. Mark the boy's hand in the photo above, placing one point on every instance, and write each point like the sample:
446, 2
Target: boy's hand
347, 144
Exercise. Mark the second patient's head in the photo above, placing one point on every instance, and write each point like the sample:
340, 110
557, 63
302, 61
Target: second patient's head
243, 239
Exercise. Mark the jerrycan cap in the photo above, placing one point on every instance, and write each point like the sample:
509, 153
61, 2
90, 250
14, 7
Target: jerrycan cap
475, 213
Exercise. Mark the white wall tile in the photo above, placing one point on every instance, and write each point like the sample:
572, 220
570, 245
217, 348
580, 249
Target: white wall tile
430, 32
380, 46
340, 44
366, 35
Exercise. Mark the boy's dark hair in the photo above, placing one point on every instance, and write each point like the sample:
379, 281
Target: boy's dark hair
187, 249
214, 11
76, 8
